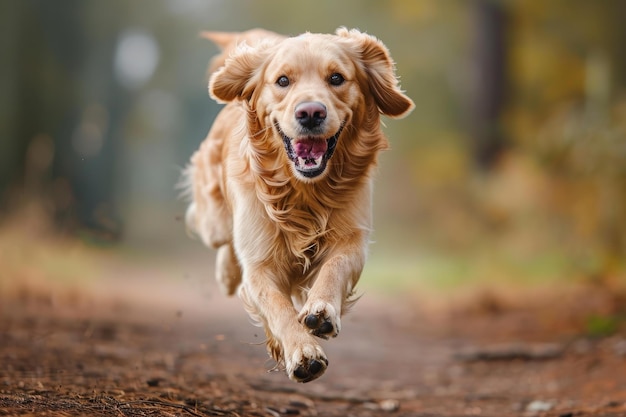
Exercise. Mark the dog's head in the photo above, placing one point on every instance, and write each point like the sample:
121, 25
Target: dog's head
310, 89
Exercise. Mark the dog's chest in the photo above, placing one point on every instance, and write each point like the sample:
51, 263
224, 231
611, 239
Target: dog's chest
302, 246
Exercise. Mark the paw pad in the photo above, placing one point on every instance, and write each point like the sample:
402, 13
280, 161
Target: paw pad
310, 370
320, 326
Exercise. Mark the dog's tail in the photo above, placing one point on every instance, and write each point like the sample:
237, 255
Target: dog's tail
228, 42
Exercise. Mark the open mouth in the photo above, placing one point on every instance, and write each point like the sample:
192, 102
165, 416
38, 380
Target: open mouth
310, 154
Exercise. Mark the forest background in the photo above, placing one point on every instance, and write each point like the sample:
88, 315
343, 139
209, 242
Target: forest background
510, 171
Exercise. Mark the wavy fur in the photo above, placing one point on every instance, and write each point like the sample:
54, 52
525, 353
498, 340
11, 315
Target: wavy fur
283, 236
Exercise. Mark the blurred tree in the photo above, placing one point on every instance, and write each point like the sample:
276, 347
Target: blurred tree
487, 98
10, 149
57, 82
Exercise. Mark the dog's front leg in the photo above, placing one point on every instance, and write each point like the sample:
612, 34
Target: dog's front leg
288, 341
326, 299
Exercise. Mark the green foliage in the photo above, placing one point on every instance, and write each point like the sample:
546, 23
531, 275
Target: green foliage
602, 325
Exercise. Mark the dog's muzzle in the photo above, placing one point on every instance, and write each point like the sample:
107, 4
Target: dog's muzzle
310, 154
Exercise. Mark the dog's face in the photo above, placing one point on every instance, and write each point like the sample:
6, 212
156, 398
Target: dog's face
308, 89
308, 94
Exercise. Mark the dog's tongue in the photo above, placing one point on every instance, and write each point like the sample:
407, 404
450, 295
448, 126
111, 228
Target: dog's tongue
310, 148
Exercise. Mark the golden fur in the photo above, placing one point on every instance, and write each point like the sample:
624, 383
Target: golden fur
291, 227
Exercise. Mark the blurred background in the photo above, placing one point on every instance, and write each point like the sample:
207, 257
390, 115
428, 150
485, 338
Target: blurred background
511, 169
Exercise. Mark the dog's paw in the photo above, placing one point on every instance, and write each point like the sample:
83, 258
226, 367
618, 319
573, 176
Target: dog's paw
321, 319
306, 363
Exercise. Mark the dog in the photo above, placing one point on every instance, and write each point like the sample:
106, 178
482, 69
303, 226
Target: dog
282, 185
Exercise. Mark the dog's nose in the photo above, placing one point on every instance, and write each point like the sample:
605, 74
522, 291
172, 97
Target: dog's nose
310, 114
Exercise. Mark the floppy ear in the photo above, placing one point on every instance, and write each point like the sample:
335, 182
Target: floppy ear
380, 72
240, 74
228, 42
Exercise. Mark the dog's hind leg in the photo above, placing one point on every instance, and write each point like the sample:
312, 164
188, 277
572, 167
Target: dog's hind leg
227, 270
208, 216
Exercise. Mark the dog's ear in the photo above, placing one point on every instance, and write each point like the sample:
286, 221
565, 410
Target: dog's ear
228, 42
240, 74
379, 69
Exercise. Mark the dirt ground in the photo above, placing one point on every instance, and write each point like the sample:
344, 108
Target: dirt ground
145, 347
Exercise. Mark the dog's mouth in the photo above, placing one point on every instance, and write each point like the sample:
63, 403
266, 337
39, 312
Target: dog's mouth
310, 154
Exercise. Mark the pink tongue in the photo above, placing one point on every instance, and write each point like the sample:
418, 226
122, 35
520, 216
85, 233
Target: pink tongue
310, 148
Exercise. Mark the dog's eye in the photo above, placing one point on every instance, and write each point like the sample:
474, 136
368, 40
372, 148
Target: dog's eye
282, 81
336, 79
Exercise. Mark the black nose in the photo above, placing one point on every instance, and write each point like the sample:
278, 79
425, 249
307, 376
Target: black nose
310, 114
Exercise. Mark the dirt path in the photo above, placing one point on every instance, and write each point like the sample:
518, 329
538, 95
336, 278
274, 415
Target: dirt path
179, 348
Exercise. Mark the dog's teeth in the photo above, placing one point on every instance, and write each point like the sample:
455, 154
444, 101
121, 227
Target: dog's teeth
309, 162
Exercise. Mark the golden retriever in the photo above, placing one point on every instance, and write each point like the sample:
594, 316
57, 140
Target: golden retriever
282, 185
